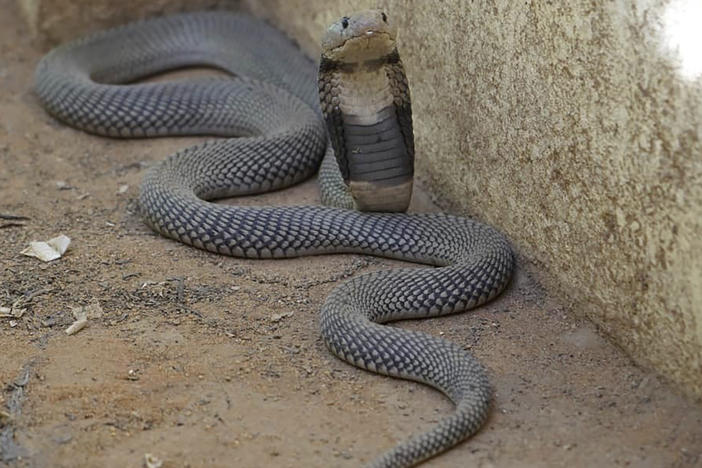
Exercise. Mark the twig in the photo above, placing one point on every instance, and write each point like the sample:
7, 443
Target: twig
13, 217
28, 296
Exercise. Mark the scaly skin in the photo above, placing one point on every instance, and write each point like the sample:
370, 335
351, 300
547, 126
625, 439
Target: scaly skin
366, 104
273, 105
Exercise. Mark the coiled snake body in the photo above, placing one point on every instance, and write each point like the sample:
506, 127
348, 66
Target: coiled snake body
272, 105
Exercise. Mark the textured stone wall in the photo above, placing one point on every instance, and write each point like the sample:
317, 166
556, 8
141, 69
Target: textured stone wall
575, 127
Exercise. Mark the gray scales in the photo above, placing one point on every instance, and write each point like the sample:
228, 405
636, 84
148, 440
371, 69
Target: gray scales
272, 106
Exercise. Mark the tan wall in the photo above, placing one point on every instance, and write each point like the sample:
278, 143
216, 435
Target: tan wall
571, 127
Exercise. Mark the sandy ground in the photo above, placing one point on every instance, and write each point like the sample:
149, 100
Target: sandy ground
203, 360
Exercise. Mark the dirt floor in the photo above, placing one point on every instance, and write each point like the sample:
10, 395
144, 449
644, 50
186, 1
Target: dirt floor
207, 361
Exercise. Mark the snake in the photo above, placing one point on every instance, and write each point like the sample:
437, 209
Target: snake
284, 117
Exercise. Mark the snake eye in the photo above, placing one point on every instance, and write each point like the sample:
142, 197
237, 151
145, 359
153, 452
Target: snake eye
384, 16
345, 22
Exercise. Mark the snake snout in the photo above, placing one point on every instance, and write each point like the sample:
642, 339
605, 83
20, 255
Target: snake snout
365, 35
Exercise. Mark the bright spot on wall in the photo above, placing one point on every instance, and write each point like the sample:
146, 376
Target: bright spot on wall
682, 30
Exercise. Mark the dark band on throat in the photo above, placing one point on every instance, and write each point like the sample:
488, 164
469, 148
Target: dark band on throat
328, 65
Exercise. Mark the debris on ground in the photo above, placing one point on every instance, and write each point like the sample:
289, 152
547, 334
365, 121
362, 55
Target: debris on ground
82, 314
13, 312
14, 220
151, 461
10, 450
275, 318
47, 251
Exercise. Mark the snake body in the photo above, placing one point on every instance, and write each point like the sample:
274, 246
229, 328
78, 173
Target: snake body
272, 105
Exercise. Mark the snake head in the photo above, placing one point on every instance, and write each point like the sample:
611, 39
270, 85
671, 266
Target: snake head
365, 35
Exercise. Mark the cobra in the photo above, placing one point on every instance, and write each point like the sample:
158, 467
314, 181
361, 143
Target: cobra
272, 106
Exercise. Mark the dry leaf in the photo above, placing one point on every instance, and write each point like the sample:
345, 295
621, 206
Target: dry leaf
48, 250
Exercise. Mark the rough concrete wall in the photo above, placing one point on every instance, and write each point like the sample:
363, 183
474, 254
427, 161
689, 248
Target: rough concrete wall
572, 126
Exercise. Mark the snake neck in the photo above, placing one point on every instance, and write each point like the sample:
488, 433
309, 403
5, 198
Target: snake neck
366, 92
367, 112
366, 105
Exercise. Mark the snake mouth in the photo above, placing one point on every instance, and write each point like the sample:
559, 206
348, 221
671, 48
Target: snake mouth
365, 35
366, 46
